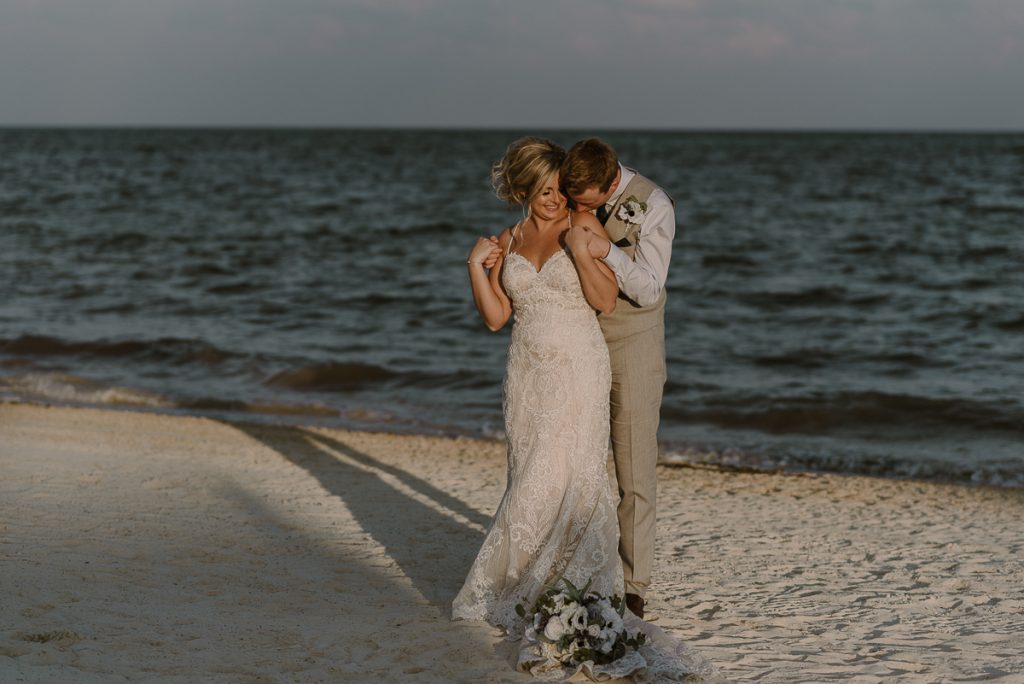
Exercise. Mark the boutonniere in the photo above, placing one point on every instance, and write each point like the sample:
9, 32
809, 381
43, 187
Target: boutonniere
632, 211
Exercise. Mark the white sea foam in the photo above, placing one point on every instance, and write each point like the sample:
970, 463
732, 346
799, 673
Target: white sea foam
67, 388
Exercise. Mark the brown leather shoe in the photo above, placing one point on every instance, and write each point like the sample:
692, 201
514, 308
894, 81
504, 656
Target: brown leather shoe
635, 603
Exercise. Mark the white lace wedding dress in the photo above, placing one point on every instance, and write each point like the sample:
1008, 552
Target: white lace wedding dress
557, 516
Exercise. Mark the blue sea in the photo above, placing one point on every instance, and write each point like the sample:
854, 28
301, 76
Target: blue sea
842, 302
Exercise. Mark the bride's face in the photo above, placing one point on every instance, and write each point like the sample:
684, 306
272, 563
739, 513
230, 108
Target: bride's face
549, 203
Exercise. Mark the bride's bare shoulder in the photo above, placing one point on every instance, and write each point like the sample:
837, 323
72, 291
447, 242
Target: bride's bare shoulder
505, 236
588, 221
585, 219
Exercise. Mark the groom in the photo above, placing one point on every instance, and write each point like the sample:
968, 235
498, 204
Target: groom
640, 220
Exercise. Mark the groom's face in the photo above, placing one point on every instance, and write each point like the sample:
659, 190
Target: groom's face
591, 198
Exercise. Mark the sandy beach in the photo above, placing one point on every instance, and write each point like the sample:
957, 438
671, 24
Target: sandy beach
139, 547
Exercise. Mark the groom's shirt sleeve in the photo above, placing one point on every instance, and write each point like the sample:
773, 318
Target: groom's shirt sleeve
643, 278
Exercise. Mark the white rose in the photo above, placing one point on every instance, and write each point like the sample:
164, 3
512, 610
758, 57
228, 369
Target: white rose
610, 616
554, 629
630, 212
593, 631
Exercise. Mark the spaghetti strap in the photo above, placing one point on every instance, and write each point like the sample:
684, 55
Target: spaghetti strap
512, 237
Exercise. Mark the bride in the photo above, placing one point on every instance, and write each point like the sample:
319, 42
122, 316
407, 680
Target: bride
557, 517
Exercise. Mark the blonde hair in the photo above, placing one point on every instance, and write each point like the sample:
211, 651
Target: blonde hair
527, 164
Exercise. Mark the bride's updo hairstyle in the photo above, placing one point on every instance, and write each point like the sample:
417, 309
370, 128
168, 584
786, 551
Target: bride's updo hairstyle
528, 162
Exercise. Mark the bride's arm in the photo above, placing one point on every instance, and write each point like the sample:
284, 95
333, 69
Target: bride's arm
488, 294
598, 281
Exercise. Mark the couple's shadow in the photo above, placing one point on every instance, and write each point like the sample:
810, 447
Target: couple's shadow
419, 528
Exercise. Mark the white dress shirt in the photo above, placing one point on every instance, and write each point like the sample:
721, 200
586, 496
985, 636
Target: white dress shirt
642, 278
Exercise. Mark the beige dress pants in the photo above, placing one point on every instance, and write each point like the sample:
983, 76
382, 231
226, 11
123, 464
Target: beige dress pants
638, 379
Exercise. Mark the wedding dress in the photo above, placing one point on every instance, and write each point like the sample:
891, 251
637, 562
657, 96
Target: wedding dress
557, 516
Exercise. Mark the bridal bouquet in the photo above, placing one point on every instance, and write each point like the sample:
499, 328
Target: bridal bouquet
574, 626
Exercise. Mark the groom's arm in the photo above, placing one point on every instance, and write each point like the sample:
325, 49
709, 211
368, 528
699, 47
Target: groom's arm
642, 278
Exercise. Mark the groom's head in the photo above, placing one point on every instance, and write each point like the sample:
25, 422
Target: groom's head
590, 173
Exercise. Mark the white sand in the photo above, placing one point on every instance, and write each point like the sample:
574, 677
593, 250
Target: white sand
144, 548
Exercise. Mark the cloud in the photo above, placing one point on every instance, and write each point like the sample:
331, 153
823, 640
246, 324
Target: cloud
757, 40
526, 63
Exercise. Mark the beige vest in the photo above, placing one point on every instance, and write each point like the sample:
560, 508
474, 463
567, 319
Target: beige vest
629, 317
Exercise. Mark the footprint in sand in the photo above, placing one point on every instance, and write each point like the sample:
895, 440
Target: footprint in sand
36, 611
63, 636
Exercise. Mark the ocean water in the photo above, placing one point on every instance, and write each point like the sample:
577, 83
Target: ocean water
837, 302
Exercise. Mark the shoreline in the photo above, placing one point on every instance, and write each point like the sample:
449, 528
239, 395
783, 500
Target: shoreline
671, 456
140, 546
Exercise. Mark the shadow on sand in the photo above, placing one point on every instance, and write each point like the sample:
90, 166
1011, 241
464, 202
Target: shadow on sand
414, 535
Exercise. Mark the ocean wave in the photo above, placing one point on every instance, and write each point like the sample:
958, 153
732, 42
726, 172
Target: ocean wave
74, 389
175, 351
986, 209
983, 253
210, 404
69, 389
862, 412
321, 209
200, 269
726, 260
441, 229
347, 377
814, 358
374, 300
237, 287
846, 464
813, 296
798, 358
1012, 325
331, 377
115, 241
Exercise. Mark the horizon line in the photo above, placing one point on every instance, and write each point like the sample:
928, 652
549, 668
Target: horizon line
893, 130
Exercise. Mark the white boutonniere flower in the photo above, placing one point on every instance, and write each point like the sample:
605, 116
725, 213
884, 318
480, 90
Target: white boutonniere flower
632, 211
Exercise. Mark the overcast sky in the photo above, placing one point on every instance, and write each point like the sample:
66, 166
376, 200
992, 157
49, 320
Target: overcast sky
865, 64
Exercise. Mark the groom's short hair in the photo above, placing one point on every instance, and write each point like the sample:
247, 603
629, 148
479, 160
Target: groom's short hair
590, 163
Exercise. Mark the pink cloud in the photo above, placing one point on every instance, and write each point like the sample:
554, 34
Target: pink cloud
325, 34
757, 40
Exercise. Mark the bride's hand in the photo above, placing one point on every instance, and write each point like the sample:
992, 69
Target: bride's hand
581, 239
486, 251
578, 239
492, 258
598, 246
